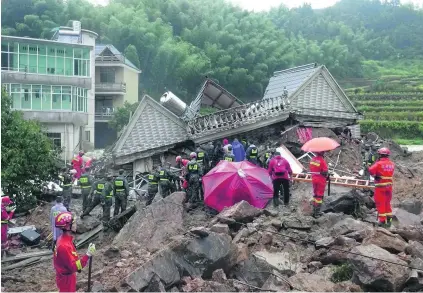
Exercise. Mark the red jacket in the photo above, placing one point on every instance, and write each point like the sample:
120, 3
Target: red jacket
383, 171
318, 165
66, 260
77, 162
276, 161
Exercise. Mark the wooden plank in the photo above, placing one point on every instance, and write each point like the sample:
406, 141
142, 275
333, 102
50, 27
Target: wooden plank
21, 263
27, 255
86, 236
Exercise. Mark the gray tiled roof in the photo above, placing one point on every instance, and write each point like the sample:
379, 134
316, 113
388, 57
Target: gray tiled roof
100, 48
292, 78
152, 126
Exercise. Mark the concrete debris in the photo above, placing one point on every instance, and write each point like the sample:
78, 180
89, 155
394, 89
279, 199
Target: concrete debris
299, 223
220, 228
325, 242
311, 283
348, 225
386, 240
200, 285
284, 262
415, 249
240, 212
402, 218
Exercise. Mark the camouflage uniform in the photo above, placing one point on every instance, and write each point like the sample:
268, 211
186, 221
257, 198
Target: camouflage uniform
85, 182
66, 180
153, 186
108, 200
164, 182
103, 192
193, 176
121, 192
252, 155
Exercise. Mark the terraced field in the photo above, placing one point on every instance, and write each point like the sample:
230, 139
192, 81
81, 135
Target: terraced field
398, 116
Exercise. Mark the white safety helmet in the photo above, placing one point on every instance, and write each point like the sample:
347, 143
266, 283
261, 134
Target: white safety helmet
193, 155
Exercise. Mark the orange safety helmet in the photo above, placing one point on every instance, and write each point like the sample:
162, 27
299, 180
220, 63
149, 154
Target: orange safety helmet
5, 201
384, 151
64, 219
178, 159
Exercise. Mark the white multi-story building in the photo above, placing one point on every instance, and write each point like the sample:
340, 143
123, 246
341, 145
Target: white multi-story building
52, 81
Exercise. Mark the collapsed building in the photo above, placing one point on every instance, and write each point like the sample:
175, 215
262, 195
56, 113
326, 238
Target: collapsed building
304, 96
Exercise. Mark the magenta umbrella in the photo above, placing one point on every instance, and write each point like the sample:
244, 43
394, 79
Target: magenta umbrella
320, 144
230, 182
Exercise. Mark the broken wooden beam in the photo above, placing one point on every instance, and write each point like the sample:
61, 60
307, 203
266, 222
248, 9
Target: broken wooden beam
26, 255
117, 222
88, 235
20, 264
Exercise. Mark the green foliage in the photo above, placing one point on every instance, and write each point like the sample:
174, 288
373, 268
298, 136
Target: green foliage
392, 103
342, 273
121, 116
28, 158
403, 141
132, 55
388, 129
392, 116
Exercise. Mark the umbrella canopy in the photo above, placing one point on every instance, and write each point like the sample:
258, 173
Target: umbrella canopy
320, 144
230, 182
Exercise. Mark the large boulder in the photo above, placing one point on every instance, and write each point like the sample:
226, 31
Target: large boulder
195, 257
414, 282
377, 275
86, 224
200, 285
298, 223
284, 262
402, 218
240, 212
385, 239
346, 202
409, 233
348, 225
413, 206
311, 283
153, 226
415, 248
255, 271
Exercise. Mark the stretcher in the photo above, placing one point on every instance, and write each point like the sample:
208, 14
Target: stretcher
341, 181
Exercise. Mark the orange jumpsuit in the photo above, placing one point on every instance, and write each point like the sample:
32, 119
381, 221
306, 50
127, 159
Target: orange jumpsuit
67, 263
318, 165
383, 171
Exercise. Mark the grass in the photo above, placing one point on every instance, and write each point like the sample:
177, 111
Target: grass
403, 141
342, 273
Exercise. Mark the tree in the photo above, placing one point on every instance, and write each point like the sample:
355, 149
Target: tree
121, 116
132, 55
28, 158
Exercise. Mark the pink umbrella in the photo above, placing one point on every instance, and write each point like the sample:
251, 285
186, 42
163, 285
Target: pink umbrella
320, 144
230, 182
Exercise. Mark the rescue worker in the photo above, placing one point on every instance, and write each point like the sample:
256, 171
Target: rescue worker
66, 180
108, 198
103, 193
65, 258
281, 173
229, 156
153, 185
55, 210
203, 160
77, 163
88, 164
121, 193
252, 155
7, 210
193, 177
267, 157
320, 175
244, 142
86, 182
182, 164
371, 155
164, 181
383, 171
219, 153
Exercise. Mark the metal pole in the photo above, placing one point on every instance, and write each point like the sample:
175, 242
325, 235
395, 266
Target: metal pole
89, 274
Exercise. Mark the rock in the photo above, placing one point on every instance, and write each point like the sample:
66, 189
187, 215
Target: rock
345, 202
220, 228
413, 206
347, 286
414, 283
200, 285
86, 224
326, 272
174, 289
284, 262
276, 223
324, 242
241, 254
376, 275
360, 235
348, 225
254, 271
125, 254
266, 238
97, 287
270, 213
328, 220
153, 226
241, 234
119, 264
385, 239
112, 252
195, 257
409, 233
345, 241
241, 212
155, 285
276, 283
199, 231
402, 218
311, 283
334, 255
303, 223
415, 248
314, 266
219, 276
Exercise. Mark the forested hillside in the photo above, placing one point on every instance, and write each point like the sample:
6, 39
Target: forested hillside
178, 42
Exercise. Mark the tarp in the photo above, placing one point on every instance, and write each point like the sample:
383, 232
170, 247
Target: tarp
230, 182
296, 166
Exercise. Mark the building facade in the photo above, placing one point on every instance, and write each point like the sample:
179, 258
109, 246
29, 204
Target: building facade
116, 81
52, 81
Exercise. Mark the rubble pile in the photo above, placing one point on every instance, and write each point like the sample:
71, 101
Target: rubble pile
167, 247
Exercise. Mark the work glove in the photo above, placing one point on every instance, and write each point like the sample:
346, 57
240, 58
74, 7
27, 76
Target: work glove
91, 250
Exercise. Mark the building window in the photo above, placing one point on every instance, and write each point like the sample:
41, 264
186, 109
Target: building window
107, 75
87, 135
156, 160
56, 138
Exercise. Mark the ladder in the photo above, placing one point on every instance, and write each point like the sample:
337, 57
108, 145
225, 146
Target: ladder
347, 182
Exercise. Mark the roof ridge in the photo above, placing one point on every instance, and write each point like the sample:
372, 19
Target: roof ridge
297, 68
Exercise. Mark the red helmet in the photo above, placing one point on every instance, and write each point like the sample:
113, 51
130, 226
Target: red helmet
178, 159
384, 151
5, 201
81, 153
64, 219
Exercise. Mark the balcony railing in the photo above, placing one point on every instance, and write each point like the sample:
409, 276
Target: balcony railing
105, 114
107, 59
104, 87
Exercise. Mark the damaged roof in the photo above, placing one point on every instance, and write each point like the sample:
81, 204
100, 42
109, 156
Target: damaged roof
152, 129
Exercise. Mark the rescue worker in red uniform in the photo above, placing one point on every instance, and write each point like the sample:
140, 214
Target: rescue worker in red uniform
383, 172
7, 210
77, 164
182, 164
65, 259
319, 170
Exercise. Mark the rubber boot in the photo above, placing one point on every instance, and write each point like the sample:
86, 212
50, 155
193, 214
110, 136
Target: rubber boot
389, 222
316, 211
276, 201
382, 224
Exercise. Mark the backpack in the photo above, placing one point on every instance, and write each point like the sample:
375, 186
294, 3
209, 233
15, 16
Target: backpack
279, 168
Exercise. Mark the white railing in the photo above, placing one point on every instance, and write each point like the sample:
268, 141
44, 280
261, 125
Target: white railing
111, 87
238, 116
